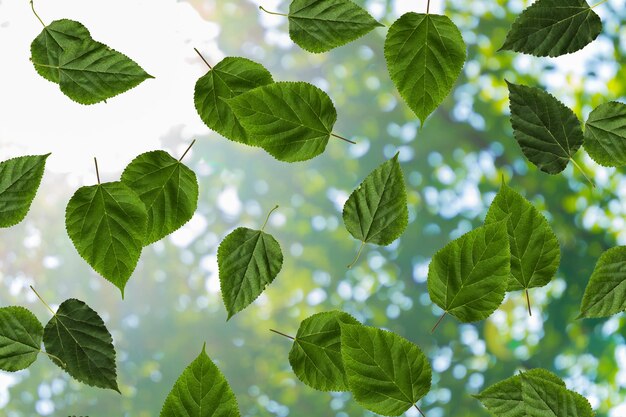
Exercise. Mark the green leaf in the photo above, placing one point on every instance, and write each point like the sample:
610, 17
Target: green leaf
504, 399
315, 356
605, 134
168, 189
425, 54
201, 391
376, 212
535, 251
227, 79
468, 277
544, 398
248, 261
19, 181
548, 132
553, 28
387, 374
20, 338
87, 71
291, 121
605, 294
321, 25
107, 224
77, 336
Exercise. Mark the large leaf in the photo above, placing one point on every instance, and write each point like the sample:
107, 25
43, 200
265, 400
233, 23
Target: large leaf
548, 132
425, 54
605, 294
315, 356
321, 25
468, 277
248, 261
107, 224
229, 78
535, 251
544, 398
168, 189
201, 391
77, 336
553, 28
20, 338
19, 180
605, 134
387, 374
87, 71
291, 121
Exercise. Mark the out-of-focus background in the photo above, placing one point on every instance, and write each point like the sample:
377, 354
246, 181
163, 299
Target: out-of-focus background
453, 167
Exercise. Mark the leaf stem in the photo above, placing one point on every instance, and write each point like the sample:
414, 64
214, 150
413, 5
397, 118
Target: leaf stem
583, 172
342, 138
268, 217
95, 161
55, 357
277, 14
597, 4
188, 149
358, 255
202, 58
530, 313
427, 12
439, 321
420, 411
282, 334
32, 6
41, 299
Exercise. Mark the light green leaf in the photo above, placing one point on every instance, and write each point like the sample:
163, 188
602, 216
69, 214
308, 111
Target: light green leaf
20, 338
87, 71
376, 212
535, 251
201, 391
553, 28
605, 134
321, 25
291, 121
605, 294
548, 132
77, 336
229, 78
315, 356
469, 276
387, 374
248, 261
107, 224
168, 189
425, 54
19, 181
544, 398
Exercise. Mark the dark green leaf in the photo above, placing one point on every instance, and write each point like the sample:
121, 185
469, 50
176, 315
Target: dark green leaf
605, 134
605, 294
19, 180
20, 338
544, 398
77, 336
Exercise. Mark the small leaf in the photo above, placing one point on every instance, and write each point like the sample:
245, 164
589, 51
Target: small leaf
535, 251
248, 261
19, 181
201, 391
544, 398
425, 54
107, 224
291, 121
387, 374
605, 134
77, 336
321, 25
548, 132
87, 71
20, 338
605, 294
168, 189
469, 276
227, 79
553, 28
315, 356
376, 212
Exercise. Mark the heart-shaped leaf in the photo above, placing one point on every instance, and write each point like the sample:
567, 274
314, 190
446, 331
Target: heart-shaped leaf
605, 294
605, 134
20, 338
